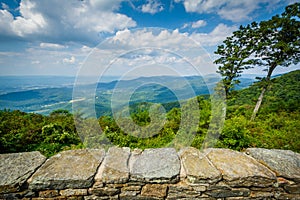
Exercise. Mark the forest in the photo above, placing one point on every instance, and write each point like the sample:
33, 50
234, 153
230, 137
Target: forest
276, 125
266, 114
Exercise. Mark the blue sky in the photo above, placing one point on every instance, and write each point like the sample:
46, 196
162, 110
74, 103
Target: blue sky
61, 37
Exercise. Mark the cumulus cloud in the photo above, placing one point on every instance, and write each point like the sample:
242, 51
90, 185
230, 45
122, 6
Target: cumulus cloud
35, 62
147, 48
4, 6
70, 60
31, 21
152, 37
105, 5
152, 7
49, 20
196, 24
85, 49
5, 26
199, 23
51, 45
234, 10
215, 37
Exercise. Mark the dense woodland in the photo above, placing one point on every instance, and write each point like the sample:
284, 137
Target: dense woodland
276, 126
265, 114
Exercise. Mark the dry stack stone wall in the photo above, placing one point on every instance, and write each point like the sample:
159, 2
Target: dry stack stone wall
151, 174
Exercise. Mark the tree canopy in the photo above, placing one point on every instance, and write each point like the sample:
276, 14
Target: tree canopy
267, 44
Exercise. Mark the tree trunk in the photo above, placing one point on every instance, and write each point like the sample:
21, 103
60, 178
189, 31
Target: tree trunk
261, 96
258, 103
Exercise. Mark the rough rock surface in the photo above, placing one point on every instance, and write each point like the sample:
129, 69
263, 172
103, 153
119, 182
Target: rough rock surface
16, 168
284, 163
198, 168
153, 174
156, 165
67, 170
240, 169
154, 190
114, 168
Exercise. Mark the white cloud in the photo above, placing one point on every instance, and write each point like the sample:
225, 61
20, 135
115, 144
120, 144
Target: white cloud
4, 6
185, 25
147, 48
51, 21
152, 37
9, 53
152, 7
106, 5
196, 24
30, 22
234, 10
85, 49
35, 62
199, 23
51, 45
5, 25
70, 60
215, 37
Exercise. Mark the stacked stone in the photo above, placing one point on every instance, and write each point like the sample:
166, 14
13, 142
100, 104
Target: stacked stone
152, 174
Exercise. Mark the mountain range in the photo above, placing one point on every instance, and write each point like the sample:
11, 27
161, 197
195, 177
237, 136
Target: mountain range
48, 93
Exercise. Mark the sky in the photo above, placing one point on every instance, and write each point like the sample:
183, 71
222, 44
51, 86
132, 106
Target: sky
122, 37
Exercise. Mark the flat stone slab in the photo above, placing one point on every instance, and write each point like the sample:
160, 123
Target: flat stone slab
114, 168
156, 165
239, 169
68, 170
16, 168
197, 167
284, 163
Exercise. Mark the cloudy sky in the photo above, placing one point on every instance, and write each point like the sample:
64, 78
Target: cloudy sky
62, 37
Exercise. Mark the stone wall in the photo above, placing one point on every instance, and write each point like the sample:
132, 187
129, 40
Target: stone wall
151, 174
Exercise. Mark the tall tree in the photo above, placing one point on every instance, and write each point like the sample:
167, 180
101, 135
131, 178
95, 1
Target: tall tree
269, 44
277, 44
234, 58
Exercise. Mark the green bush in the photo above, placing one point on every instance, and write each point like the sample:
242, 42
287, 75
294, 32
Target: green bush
235, 134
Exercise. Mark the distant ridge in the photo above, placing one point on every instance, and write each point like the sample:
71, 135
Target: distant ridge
43, 94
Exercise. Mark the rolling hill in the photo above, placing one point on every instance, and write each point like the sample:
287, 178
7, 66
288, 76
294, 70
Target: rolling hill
158, 89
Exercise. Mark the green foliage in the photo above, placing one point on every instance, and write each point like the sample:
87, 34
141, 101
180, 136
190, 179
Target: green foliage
235, 134
21, 131
282, 95
140, 117
278, 130
277, 39
234, 53
277, 124
268, 44
140, 114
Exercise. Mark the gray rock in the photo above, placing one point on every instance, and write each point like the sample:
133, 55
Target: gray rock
240, 192
140, 198
106, 191
114, 168
135, 154
240, 169
48, 193
197, 167
128, 194
183, 190
288, 196
154, 190
284, 163
67, 170
293, 189
156, 165
16, 168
